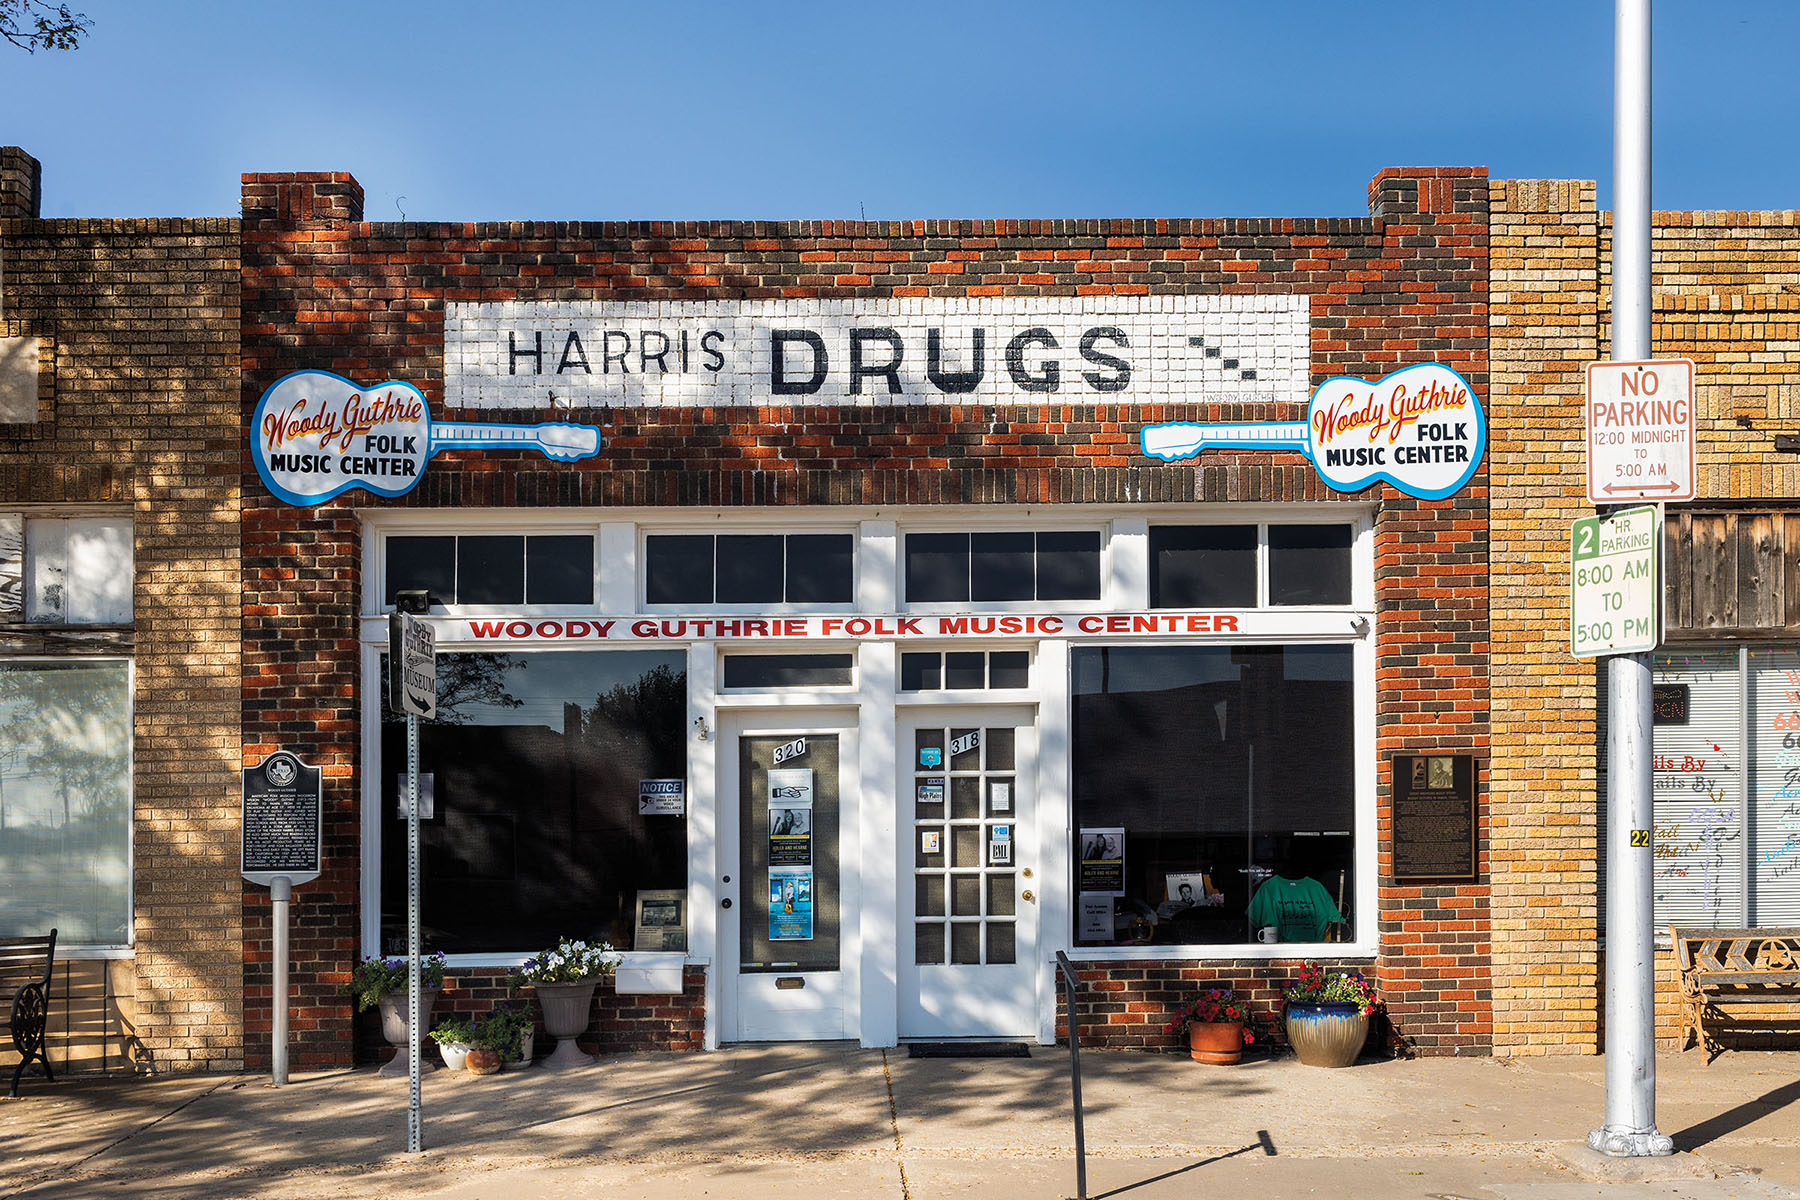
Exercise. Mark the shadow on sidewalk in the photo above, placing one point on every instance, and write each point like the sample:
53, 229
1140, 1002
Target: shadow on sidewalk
1734, 1119
1263, 1143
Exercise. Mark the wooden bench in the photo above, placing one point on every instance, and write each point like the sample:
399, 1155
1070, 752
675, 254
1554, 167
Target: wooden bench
25, 965
1731, 974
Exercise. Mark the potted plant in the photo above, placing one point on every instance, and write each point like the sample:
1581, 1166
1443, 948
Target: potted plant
1216, 1026
507, 1028
1327, 1015
565, 977
382, 983
455, 1038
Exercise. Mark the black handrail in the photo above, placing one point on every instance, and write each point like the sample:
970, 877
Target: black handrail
1071, 986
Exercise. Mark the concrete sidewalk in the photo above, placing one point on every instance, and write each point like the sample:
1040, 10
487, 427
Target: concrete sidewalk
832, 1120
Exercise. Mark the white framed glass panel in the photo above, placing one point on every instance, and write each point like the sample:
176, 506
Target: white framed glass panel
65, 800
78, 570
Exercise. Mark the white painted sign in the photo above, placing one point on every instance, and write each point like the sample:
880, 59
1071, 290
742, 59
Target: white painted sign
914, 350
412, 666
1640, 431
1420, 429
1615, 591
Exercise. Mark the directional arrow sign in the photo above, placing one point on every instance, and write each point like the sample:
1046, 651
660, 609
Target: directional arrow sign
1615, 591
1640, 431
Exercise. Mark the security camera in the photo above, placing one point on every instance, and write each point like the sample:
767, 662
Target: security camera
416, 601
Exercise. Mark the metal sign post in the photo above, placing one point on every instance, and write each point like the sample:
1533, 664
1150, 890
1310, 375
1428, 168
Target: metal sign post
1630, 1129
412, 689
282, 829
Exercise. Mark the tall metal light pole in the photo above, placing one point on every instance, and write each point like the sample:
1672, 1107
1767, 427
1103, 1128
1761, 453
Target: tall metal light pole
1630, 1128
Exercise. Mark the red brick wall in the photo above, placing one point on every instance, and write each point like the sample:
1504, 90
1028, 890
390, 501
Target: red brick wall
323, 289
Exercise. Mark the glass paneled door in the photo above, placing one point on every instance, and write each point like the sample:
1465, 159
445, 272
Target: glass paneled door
968, 878
788, 850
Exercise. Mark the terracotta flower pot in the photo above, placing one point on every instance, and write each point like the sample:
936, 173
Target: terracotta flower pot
483, 1061
1220, 1043
1326, 1035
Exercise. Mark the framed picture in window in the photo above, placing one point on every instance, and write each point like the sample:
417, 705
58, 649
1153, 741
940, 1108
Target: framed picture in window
661, 920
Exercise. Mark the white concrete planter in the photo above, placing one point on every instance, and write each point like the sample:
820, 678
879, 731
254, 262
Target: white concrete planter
566, 1007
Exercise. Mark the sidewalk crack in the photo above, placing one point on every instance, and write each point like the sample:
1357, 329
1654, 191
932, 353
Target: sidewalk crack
887, 1073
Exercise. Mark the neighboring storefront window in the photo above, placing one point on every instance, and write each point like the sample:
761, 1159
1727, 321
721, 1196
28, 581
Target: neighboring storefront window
1726, 777
535, 766
1214, 794
65, 800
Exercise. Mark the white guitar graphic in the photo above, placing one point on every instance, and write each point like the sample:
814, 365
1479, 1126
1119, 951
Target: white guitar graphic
1420, 429
315, 435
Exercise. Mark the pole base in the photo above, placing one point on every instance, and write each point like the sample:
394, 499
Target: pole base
1630, 1143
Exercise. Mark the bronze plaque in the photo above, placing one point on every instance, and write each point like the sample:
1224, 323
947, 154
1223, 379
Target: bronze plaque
1434, 817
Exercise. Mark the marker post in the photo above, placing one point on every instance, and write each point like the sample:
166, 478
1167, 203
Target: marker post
412, 690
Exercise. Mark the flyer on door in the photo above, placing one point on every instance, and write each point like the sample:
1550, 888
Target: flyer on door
790, 904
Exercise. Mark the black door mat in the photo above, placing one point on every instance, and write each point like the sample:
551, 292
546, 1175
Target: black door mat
967, 1050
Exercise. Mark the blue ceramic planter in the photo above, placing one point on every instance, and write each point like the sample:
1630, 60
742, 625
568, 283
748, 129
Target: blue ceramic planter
1326, 1034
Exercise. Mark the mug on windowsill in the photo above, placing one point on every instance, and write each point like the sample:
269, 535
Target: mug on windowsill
1268, 933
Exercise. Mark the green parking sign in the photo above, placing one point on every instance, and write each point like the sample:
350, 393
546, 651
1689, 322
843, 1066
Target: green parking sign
1615, 589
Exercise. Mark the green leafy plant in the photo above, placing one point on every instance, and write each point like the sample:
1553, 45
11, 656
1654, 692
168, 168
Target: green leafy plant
374, 978
455, 1031
1318, 986
1215, 1006
502, 1029
569, 961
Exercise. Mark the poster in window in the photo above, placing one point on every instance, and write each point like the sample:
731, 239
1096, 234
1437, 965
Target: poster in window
790, 817
790, 904
661, 920
662, 797
1000, 847
931, 791
1096, 916
1101, 869
427, 796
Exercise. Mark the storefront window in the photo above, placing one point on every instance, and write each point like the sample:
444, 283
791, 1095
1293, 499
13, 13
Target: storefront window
1208, 566
944, 568
1214, 794
766, 568
494, 569
1725, 732
65, 800
534, 768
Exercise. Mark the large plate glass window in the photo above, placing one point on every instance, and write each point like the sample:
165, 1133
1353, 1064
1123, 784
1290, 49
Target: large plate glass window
535, 767
1214, 794
65, 800
960, 568
749, 568
508, 569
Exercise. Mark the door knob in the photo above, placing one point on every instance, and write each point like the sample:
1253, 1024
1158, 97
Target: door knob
1027, 896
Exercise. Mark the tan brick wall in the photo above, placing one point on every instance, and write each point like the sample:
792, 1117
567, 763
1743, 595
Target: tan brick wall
144, 419
1725, 295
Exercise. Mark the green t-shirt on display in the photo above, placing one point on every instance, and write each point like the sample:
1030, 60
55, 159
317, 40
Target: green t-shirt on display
1300, 909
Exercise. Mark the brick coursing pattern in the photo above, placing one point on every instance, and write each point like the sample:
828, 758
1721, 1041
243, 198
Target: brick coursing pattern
143, 318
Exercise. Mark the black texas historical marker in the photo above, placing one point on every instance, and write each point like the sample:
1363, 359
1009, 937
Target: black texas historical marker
283, 811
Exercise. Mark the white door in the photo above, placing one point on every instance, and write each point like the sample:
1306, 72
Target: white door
968, 885
787, 861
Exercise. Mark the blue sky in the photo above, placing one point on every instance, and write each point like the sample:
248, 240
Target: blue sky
463, 111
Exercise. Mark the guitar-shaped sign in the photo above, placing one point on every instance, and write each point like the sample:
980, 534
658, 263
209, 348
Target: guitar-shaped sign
315, 435
1420, 429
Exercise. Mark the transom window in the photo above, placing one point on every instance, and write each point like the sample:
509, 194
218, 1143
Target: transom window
954, 568
494, 569
964, 670
1222, 566
755, 568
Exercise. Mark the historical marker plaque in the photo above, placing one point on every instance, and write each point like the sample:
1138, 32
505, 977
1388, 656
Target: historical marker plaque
283, 820
1434, 817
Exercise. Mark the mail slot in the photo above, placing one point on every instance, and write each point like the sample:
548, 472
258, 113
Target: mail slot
788, 983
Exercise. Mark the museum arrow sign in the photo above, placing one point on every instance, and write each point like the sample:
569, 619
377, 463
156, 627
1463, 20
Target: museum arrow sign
315, 435
1420, 429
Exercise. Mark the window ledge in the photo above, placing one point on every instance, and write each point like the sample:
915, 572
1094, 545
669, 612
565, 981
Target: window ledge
1251, 950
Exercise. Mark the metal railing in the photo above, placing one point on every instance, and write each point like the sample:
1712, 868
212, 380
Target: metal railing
1071, 988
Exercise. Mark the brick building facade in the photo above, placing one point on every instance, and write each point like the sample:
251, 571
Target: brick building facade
1446, 640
